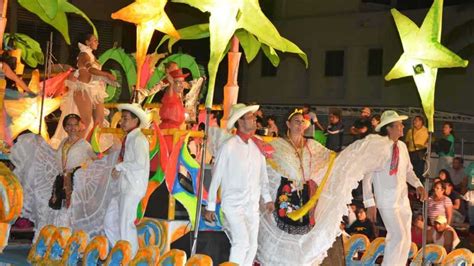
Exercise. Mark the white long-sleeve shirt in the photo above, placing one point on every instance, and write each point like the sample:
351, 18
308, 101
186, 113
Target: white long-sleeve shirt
391, 191
240, 170
135, 167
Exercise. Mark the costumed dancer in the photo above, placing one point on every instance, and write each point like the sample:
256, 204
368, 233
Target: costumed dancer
86, 90
132, 171
240, 172
63, 187
294, 171
391, 190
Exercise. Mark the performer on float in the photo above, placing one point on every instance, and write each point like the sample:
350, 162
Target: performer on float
86, 89
240, 172
63, 187
132, 172
389, 182
294, 171
172, 108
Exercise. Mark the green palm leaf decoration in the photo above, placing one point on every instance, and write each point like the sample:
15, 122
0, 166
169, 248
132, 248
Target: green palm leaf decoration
243, 18
31, 52
54, 12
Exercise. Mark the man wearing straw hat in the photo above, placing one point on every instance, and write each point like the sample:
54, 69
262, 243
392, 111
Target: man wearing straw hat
240, 172
391, 190
132, 170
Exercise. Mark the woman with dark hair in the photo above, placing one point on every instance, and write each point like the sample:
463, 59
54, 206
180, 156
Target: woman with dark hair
86, 89
293, 173
439, 203
64, 187
446, 146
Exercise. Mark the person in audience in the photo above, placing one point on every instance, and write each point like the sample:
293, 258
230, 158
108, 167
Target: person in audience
439, 203
375, 121
335, 130
272, 127
446, 146
362, 225
444, 176
313, 120
417, 224
442, 234
456, 172
458, 204
417, 143
362, 125
469, 195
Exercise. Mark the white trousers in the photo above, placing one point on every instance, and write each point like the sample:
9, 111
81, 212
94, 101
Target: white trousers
241, 226
119, 221
397, 221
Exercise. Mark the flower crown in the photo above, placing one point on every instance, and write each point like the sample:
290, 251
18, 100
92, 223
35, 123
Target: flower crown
297, 111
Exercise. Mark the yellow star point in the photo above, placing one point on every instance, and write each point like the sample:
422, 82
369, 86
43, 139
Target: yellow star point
148, 15
25, 114
423, 54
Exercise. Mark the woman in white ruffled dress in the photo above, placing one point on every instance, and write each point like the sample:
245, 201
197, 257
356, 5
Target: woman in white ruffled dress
87, 190
86, 90
294, 171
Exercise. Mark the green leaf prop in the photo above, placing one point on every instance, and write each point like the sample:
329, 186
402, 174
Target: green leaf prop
53, 12
31, 52
199, 31
228, 16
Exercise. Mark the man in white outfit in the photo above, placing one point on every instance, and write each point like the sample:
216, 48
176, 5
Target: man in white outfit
240, 172
391, 190
132, 171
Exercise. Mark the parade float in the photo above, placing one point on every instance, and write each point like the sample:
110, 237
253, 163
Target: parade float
231, 24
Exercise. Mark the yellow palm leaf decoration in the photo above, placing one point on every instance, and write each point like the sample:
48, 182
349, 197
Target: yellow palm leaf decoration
423, 55
226, 17
148, 15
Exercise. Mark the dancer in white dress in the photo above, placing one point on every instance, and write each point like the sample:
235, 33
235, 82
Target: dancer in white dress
86, 90
86, 182
294, 171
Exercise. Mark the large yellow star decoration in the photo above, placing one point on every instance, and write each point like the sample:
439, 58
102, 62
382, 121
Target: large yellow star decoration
148, 15
25, 114
423, 55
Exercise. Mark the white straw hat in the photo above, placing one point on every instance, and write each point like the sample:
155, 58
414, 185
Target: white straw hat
137, 110
388, 117
237, 111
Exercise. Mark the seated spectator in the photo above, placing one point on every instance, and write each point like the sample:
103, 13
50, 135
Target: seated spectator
443, 176
458, 204
362, 225
457, 173
439, 203
272, 127
335, 130
417, 224
443, 234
